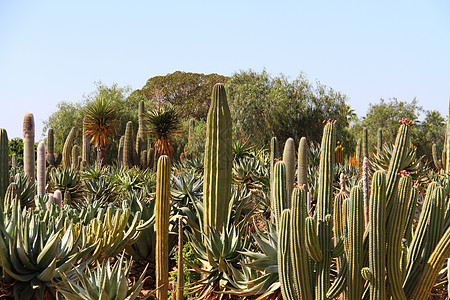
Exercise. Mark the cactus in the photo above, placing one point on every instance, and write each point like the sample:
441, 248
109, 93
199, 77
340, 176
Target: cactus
51, 147
379, 140
41, 169
365, 144
120, 151
284, 257
141, 138
438, 163
365, 186
180, 273
74, 159
324, 208
128, 146
354, 243
280, 202
86, 147
28, 147
151, 158
395, 228
377, 232
273, 159
289, 160
302, 168
162, 209
4, 165
447, 143
298, 250
338, 224
67, 149
144, 164
218, 161
359, 153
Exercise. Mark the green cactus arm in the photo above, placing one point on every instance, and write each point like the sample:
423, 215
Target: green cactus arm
302, 168
280, 202
51, 147
338, 249
128, 149
339, 284
312, 241
412, 204
67, 149
289, 161
284, 258
4, 166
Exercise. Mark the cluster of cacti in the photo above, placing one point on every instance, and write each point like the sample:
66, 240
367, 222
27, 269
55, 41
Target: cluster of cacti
217, 161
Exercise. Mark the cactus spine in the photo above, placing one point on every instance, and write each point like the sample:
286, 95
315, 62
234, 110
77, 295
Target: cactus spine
4, 158
28, 147
289, 161
377, 240
50, 147
162, 209
324, 208
128, 146
41, 169
67, 149
86, 147
218, 161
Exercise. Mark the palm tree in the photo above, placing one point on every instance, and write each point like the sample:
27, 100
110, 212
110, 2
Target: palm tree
99, 123
163, 125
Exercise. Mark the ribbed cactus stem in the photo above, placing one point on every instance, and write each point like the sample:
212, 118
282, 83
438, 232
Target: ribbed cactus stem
120, 151
51, 147
379, 140
128, 146
141, 138
365, 144
338, 223
396, 225
354, 244
401, 146
284, 257
67, 149
41, 169
218, 161
365, 186
86, 147
59, 197
180, 273
289, 161
4, 162
359, 153
377, 240
28, 147
162, 209
75, 161
279, 191
302, 168
325, 208
299, 254
144, 164
273, 159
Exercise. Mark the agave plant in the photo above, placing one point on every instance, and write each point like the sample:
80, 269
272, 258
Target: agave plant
34, 251
242, 149
23, 190
103, 282
67, 180
133, 180
163, 124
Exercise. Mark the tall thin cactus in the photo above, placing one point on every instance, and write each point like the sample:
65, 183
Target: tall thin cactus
302, 168
4, 166
289, 160
128, 146
67, 149
75, 158
51, 147
379, 140
141, 137
28, 147
41, 169
218, 161
447, 145
162, 209
86, 147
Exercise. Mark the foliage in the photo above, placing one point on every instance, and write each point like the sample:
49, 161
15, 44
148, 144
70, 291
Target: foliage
16, 146
263, 106
189, 92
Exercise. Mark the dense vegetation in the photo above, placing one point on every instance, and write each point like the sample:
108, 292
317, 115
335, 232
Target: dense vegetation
263, 188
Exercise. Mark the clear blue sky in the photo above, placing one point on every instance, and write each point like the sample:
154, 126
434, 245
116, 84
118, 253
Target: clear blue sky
52, 51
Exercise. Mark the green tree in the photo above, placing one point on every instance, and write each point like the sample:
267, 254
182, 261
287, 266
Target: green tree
263, 106
16, 146
189, 92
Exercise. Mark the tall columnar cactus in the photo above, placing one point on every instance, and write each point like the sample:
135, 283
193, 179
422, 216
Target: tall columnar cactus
289, 160
141, 138
338, 224
359, 153
280, 201
354, 244
273, 159
162, 209
67, 149
447, 146
86, 147
324, 208
379, 140
218, 161
298, 252
128, 146
4, 166
365, 144
395, 228
74, 159
438, 163
120, 151
28, 147
50, 147
377, 242
365, 186
41, 169
284, 257
302, 168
